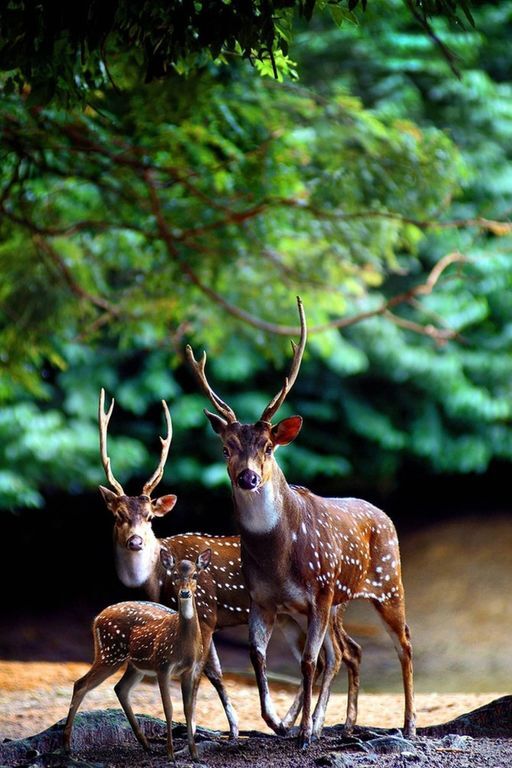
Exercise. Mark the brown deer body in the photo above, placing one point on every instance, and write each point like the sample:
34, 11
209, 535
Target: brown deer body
153, 640
302, 553
222, 599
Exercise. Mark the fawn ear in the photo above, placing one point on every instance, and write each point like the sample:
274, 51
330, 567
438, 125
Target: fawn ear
164, 504
167, 559
286, 430
203, 560
218, 423
110, 498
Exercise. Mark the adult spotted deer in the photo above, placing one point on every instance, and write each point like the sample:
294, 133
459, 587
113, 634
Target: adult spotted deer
302, 553
222, 598
154, 641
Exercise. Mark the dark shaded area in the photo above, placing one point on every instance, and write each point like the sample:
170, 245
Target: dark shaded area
62, 572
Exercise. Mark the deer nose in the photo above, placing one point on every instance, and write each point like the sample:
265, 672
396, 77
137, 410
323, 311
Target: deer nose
135, 543
248, 480
185, 594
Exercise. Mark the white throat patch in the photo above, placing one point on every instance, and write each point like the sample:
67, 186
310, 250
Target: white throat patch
186, 608
134, 568
258, 510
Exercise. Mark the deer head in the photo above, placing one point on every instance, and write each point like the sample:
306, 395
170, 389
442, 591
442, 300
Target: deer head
133, 514
184, 573
249, 448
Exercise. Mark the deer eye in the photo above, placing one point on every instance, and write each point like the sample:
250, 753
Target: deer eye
225, 452
268, 450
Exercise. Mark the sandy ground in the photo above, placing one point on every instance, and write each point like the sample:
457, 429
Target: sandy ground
34, 695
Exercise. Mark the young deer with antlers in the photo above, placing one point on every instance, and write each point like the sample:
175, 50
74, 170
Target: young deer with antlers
222, 599
302, 553
154, 641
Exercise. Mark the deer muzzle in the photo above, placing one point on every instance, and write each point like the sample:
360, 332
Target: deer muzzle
135, 543
248, 480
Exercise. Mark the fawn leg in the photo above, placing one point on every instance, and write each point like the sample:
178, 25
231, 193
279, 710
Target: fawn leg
165, 693
96, 675
130, 678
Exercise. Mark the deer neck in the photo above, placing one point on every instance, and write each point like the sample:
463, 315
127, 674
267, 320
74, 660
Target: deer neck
266, 509
139, 568
189, 627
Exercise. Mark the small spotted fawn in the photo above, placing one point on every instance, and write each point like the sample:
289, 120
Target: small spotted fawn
156, 641
222, 599
303, 553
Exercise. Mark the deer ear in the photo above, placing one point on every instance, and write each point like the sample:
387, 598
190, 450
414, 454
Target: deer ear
287, 430
110, 498
164, 504
203, 560
167, 559
218, 423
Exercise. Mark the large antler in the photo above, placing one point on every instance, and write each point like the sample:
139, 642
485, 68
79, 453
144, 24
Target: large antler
103, 419
298, 351
159, 471
223, 408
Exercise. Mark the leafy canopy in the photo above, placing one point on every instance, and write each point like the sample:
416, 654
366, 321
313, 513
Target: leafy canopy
196, 210
64, 50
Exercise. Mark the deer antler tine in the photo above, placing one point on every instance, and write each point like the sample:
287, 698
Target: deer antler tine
157, 475
199, 369
103, 420
298, 351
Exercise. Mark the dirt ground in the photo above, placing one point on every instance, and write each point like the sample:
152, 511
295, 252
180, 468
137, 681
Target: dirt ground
460, 613
34, 695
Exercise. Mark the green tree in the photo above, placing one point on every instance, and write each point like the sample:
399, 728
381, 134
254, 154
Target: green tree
197, 212
65, 53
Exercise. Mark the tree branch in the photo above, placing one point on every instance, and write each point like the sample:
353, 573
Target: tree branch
286, 330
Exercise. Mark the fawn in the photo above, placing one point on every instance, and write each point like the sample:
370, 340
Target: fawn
156, 641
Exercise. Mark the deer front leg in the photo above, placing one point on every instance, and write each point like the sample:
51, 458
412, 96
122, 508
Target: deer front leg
261, 623
189, 686
317, 625
163, 684
213, 672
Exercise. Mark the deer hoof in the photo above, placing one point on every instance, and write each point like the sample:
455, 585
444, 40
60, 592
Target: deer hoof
304, 739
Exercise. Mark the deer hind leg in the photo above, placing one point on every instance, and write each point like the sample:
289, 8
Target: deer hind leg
130, 678
317, 625
393, 615
189, 686
332, 661
94, 677
295, 637
351, 657
261, 623
165, 693
213, 672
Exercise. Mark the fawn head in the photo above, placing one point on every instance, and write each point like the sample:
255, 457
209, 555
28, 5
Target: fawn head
249, 448
133, 514
184, 573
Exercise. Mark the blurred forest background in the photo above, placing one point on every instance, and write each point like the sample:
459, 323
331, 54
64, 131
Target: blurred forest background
135, 217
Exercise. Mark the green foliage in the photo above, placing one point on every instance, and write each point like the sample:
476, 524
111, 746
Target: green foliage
69, 53
197, 212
